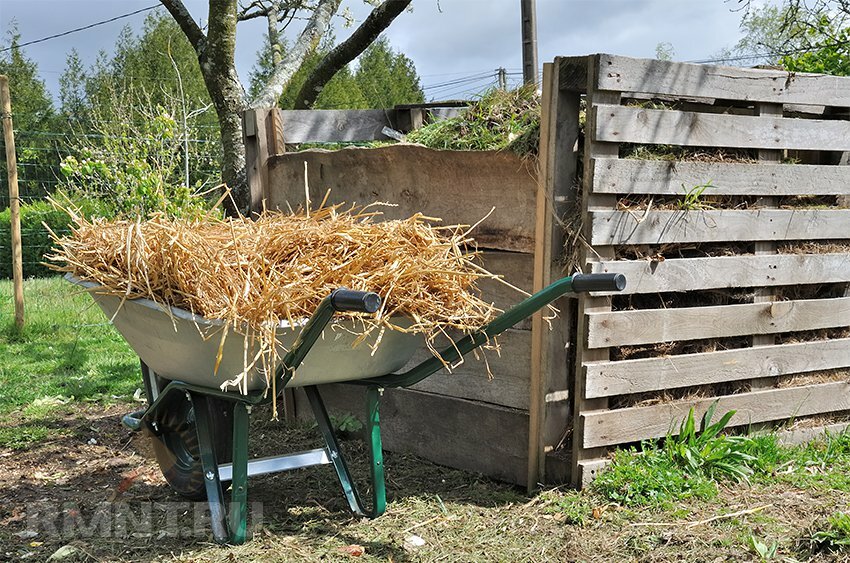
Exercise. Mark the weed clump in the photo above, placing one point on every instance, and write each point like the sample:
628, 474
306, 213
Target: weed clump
835, 536
687, 465
500, 120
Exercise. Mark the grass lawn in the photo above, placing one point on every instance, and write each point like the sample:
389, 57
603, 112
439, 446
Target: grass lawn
66, 352
66, 379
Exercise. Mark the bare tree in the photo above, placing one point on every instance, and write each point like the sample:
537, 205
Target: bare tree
216, 49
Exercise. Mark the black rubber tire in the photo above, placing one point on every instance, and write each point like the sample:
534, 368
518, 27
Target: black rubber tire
175, 445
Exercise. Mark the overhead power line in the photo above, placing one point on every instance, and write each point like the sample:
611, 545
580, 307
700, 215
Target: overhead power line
85, 27
772, 55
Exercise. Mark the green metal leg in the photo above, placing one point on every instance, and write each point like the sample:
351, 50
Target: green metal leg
239, 480
218, 521
379, 501
376, 451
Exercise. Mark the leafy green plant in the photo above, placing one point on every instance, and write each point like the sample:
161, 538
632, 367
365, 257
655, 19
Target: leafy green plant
346, 425
709, 452
836, 536
136, 161
573, 506
765, 551
35, 238
687, 465
692, 198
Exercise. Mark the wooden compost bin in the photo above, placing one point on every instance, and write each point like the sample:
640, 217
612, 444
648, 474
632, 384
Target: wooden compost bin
737, 255
499, 425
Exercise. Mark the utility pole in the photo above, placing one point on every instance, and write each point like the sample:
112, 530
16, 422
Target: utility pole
528, 10
502, 77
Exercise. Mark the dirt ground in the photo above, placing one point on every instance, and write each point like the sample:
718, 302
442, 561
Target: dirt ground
94, 486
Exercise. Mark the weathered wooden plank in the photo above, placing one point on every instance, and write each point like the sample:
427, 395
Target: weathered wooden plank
589, 469
473, 436
419, 180
681, 226
606, 379
624, 328
507, 384
625, 74
572, 73
515, 268
691, 274
763, 294
336, 125
559, 134
691, 129
605, 428
676, 178
255, 137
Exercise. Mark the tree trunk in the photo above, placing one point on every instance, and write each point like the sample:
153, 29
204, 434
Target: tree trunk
233, 172
216, 49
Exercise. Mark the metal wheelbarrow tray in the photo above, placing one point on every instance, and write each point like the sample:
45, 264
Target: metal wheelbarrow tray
196, 428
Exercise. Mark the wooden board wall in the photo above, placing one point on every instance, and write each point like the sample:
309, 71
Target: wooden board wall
477, 416
727, 241
459, 187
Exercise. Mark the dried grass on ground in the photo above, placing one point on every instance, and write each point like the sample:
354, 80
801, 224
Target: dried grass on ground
277, 269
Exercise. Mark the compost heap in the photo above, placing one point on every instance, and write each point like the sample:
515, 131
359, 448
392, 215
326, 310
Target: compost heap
257, 273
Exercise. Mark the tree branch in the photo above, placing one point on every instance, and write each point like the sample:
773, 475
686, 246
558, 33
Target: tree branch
380, 18
187, 24
306, 43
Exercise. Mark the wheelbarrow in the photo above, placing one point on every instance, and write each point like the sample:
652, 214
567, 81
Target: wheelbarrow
199, 432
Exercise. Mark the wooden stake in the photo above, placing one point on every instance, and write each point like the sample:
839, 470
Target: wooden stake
14, 201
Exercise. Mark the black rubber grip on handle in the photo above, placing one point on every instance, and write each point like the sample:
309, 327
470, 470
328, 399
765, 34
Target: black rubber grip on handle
599, 282
355, 301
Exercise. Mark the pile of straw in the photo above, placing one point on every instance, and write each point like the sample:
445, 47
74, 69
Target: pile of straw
279, 267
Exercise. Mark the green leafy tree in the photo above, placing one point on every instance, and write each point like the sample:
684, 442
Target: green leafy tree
387, 78
32, 115
830, 52
798, 36
664, 51
215, 47
72, 93
341, 92
159, 66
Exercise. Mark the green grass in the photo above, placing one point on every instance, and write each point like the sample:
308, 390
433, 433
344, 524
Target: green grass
835, 534
67, 349
687, 465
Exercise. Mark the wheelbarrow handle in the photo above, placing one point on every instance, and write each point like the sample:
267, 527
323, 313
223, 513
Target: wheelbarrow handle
343, 299
598, 282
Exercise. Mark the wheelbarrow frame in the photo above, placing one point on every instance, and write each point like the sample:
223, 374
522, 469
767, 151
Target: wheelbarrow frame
230, 525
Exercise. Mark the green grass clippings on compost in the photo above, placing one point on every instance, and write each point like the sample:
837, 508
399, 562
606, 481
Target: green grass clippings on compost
499, 120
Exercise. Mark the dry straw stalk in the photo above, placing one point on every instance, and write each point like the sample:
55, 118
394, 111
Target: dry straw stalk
256, 274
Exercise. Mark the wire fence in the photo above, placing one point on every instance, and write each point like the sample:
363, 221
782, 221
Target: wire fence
39, 155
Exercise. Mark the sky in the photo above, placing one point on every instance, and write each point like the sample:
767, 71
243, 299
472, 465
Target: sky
456, 45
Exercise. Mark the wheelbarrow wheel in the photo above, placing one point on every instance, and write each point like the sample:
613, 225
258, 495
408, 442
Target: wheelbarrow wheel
175, 445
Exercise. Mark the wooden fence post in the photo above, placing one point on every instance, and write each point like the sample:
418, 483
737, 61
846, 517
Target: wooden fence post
14, 201
549, 392
254, 123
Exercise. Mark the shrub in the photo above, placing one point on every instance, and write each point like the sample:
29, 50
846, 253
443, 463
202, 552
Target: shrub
136, 160
35, 238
